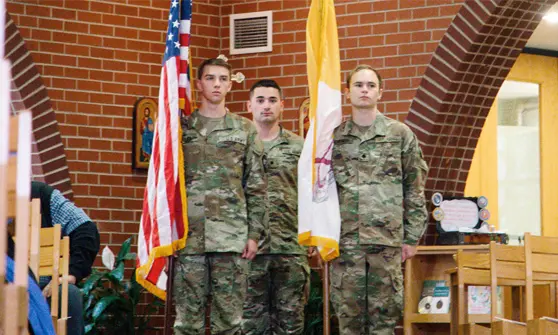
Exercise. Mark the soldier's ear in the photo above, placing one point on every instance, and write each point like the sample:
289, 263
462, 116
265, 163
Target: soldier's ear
230, 85
347, 95
249, 106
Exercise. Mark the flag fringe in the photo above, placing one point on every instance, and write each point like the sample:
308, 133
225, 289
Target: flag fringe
330, 247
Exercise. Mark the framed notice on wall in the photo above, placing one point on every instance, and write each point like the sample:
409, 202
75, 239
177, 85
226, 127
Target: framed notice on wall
145, 116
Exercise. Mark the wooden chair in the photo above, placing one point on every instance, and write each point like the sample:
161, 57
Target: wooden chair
503, 266
54, 261
15, 177
541, 261
542, 326
508, 327
500, 327
34, 236
475, 329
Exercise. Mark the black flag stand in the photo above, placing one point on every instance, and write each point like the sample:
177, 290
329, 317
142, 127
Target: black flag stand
325, 289
168, 302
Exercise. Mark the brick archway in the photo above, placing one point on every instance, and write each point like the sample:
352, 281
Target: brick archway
461, 82
29, 92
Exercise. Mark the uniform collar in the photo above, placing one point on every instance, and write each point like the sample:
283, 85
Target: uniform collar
195, 122
379, 128
282, 138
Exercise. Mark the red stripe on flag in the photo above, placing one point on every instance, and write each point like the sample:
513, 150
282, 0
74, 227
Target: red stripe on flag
183, 66
156, 157
168, 167
146, 219
185, 39
156, 269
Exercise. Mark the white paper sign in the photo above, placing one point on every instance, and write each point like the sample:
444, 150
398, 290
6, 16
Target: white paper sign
459, 213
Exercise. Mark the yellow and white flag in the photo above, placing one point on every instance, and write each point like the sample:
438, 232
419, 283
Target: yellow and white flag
319, 219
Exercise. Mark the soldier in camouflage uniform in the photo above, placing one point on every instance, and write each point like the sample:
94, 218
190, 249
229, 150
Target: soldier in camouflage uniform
380, 175
279, 274
225, 185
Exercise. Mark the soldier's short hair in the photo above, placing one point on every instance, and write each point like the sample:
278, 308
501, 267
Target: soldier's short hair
360, 68
266, 83
214, 62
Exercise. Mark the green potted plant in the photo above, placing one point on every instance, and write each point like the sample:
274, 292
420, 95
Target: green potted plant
313, 312
111, 301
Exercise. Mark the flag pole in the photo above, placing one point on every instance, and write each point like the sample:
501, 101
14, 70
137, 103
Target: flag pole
168, 302
325, 290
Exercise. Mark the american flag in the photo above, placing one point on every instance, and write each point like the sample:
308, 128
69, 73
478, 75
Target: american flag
164, 221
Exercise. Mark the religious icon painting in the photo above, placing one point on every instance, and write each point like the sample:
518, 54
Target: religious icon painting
145, 116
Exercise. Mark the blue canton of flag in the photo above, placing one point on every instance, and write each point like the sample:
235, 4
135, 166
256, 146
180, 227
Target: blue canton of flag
173, 43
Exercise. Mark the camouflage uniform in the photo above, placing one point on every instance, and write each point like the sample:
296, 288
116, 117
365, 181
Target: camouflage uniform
225, 186
279, 274
380, 177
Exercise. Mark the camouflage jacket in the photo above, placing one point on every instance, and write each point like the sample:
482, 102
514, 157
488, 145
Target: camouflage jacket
225, 184
281, 165
380, 178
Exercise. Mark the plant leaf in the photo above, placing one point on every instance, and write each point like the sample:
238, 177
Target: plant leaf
87, 304
117, 273
131, 256
91, 282
124, 250
89, 328
134, 289
103, 304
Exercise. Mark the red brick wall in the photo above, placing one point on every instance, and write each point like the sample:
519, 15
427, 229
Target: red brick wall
96, 58
396, 37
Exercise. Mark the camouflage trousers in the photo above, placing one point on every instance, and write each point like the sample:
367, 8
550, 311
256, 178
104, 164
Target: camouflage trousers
223, 276
276, 295
367, 290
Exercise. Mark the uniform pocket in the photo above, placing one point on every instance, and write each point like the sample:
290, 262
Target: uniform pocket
229, 145
390, 163
231, 151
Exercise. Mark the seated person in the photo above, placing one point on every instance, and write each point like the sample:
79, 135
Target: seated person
84, 246
38, 310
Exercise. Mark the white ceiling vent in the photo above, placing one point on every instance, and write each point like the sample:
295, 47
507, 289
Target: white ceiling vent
251, 32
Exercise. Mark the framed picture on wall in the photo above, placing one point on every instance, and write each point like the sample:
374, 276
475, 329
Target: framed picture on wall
145, 116
304, 117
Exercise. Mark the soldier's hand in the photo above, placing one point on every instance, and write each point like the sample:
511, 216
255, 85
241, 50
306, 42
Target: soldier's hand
408, 251
250, 250
315, 258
